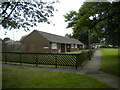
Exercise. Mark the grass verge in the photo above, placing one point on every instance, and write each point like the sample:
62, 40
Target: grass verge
77, 52
110, 60
24, 78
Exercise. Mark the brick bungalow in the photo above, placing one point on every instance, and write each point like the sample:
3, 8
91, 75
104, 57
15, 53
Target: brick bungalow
42, 42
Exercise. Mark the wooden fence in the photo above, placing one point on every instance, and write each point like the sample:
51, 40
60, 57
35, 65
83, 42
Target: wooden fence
47, 58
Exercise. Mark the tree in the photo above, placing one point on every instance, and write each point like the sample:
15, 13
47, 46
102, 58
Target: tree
24, 14
83, 37
23, 37
68, 35
101, 18
5, 39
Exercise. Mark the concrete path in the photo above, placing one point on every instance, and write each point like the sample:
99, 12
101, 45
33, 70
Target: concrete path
91, 69
93, 65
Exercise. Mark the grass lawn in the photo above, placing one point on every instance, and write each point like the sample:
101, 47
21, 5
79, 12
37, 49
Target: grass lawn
110, 60
77, 52
24, 78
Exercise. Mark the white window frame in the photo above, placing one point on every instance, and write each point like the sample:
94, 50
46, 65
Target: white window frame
72, 45
54, 46
46, 47
75, 45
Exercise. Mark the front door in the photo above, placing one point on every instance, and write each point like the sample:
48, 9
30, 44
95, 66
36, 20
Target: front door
62, 47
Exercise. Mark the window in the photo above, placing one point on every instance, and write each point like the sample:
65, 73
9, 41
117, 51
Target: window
72, 46
68, 46
54, 45
46, 47
75, 46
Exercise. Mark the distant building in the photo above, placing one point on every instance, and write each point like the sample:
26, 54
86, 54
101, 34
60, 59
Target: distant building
101, 45
11, 46
42, 42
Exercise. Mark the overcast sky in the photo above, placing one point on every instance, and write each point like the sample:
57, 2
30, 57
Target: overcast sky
59, 26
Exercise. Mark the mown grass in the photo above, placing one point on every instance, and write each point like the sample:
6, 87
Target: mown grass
110, 60
24, 78
77, 52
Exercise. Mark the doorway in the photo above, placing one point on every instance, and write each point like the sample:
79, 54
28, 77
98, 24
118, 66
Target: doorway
62, 47
68, 47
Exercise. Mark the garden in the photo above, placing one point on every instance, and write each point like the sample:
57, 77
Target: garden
25, 78
110, 61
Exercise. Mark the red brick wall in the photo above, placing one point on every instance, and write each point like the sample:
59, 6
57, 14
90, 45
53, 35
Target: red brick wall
35, 43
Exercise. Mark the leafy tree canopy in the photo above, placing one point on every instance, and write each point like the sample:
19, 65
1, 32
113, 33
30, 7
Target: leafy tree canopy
5, 39
101, 18
23, 37
25, 14
68, 35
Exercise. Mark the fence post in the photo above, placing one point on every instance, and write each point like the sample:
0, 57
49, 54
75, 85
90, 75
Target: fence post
56, 61
6, 58
82, 58
36, 60
20, 59
76, 65
89, 55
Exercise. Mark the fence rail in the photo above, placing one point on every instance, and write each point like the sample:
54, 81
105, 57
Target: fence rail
47, 58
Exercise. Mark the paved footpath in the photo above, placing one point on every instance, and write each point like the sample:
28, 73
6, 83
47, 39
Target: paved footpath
91, 69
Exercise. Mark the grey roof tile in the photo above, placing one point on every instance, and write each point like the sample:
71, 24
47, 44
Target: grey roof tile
59, 39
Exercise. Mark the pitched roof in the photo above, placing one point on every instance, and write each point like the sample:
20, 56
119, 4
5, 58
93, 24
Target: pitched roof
59, 39
9, 41
12, 42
